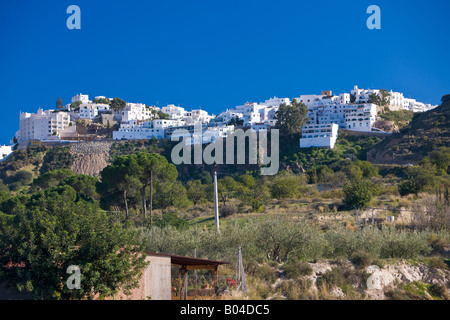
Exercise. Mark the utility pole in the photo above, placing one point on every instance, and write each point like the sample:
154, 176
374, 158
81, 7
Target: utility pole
216, 202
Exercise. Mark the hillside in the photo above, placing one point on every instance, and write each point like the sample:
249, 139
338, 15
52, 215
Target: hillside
426, 132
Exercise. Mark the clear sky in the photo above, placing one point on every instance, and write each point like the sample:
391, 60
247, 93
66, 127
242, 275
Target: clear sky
217, 54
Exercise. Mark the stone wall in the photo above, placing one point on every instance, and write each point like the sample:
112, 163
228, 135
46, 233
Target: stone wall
91, 147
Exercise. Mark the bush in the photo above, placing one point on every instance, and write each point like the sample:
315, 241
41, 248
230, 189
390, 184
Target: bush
361, 259
438, 290
285, 185
171, 219
57, 158
23, 177
437, 263
227, 210
359, 193
338, 277
266, 273
15, 186
295, 269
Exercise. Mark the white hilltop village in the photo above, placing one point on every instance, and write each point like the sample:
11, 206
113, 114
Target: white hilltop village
327, 113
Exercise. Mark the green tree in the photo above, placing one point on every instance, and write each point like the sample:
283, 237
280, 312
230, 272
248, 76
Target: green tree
227, 188
359, 193
196, 191
285, 185
420, 178
153, 167
247, 181
353, 172
101, 101
52, 232
51, 178
75, 106
84, 185
162, 115
368, 170
291, 118
256, 197
120, 178
117, 104
59, 103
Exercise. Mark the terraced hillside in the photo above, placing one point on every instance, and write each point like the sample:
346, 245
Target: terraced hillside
426, 132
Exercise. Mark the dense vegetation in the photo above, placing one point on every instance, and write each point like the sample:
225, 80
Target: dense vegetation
51, 218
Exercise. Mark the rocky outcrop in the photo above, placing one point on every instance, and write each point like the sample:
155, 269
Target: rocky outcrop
90, 157
373, 282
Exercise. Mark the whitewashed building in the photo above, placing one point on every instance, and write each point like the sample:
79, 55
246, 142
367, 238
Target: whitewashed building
361, 117
137, 130
5, 151
84, 98
319, 135
136, 111
91, 110
44, 125
174, 112
198, 115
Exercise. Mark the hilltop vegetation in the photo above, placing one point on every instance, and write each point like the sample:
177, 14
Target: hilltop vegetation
286, 224
425, 133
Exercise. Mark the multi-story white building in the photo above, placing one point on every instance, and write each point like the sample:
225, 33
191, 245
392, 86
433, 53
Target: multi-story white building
84, 98
91, 110
136, 130
167, 123
226, 116
136, 111
361, 117
309, 99
276, 102
396, 99
174, 112
44, 125
363, 95
415, 106
198, 115
319, 135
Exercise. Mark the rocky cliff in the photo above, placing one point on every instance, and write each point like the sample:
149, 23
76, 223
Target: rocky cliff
90, 157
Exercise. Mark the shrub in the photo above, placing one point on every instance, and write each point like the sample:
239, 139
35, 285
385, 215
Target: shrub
265, 272
285, 185
15, 186
438, 290
171, 219
22, 176
338, 277
359, 193
295, 269
361, 259
437, 263
227, 210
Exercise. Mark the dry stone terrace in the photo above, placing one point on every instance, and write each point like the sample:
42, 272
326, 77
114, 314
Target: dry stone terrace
91, 147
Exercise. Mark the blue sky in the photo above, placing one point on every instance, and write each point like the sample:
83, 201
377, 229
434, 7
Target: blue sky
217, 54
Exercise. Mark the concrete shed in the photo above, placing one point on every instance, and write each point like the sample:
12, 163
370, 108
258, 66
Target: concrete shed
158, 282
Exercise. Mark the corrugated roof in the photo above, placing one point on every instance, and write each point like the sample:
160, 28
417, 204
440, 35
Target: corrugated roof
188, 261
